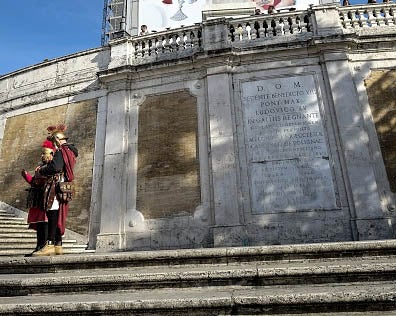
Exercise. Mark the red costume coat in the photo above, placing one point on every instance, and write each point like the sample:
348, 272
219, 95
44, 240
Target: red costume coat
35, 214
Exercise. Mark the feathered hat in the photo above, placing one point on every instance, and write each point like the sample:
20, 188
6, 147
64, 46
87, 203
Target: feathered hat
48, 144
57, 133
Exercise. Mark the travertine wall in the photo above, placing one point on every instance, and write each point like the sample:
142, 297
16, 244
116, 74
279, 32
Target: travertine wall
381, 90
23, 136
168, 166
288, 149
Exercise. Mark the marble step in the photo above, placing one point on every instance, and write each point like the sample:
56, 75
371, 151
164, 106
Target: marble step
370, 298
319, 251
13, 223
21, 252
199, 275
17, 230
26, 243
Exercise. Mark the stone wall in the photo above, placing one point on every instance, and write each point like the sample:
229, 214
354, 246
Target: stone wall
168, 166
381, 90
23, 136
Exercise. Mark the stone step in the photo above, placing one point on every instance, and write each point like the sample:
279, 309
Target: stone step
7, 216
28, 234
371, 298
11, 243
13, 223
18, 229
68, 250
201, 275
16, 240
320, 251
329, 278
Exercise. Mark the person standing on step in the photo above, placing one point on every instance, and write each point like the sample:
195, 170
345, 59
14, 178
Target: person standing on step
37, 218
57, 171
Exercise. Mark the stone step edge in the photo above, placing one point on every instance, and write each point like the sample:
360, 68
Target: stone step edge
233, 300
221, 275
205, 255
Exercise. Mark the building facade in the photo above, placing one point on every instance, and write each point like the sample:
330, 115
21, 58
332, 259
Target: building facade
264, 129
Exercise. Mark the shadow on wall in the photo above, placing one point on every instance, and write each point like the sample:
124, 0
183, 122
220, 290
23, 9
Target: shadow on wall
381, 91
21, 149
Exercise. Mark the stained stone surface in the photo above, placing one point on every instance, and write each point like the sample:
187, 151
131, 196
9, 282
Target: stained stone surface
22, 141
286, 146
381, 92
168, 169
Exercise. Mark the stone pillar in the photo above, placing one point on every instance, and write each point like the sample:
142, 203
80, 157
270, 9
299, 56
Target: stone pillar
95, 209
113, 200
326, 20
133, 27
3, 120
358, 163
227, 8
222, 152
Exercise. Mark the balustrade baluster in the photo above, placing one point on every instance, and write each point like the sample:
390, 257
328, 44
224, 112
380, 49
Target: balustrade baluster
392, 19
248, 31
307, 21
157, 45
361, 18
378, 18
281, 27
145, 49
290, 26
186, 41
369, 18
177, 42
298, 24
351, 19
193, 39
342, 19
133, 54
273, 27
164, 44
239, 31
266, 29
139, 53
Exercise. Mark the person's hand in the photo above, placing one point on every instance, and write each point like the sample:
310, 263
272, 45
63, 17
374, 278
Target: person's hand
23, 172
37, 169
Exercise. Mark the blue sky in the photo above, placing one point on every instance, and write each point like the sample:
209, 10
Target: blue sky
34, 30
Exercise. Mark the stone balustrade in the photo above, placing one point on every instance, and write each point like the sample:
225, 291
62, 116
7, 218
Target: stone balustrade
175, 42
258, 29
353, 17
267, 26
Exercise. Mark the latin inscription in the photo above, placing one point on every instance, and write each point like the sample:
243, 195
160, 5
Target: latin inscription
285, 144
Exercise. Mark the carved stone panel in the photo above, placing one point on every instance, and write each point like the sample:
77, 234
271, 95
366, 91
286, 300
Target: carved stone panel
286, 149
168, 167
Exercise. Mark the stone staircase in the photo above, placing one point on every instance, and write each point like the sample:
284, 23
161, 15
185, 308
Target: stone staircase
350, 278
17, 240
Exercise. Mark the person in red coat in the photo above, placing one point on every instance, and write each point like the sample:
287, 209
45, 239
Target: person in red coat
59, 169
37, 218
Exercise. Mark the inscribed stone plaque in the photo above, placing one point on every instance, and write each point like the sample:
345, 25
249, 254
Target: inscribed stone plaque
168, 167
285, 144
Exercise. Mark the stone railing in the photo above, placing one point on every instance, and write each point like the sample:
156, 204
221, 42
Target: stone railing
226, 32
373, 15
268, 26
176, 42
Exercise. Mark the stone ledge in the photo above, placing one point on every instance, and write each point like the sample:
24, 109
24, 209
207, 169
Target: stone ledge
204, 255
199, 301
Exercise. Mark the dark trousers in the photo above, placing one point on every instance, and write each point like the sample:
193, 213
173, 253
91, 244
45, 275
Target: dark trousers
54, 235
42, 234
